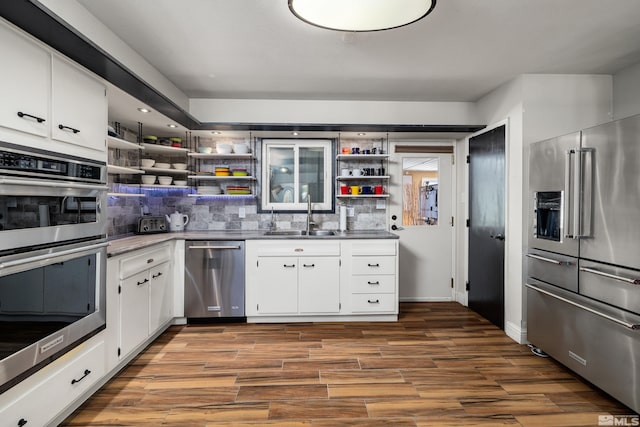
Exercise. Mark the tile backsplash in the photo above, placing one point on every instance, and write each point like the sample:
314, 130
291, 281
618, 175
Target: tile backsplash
223, 213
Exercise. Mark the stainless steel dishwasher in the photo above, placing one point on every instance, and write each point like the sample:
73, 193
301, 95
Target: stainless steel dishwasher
214, 280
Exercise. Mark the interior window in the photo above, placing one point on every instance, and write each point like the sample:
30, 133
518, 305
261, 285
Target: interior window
294, 170
420, 191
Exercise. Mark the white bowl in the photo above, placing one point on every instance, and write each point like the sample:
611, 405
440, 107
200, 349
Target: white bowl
181, 183
165, 180
147, 163
205, 150
162, 165
241, 148
179, 166
222, 148
148, 179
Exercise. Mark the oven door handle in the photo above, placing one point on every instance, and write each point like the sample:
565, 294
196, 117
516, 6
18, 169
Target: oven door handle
54, 255
632, 326
10, 181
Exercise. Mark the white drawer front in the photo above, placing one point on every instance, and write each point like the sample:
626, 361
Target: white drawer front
57, 390
374, 265
367, 284
298, 247
374, 303
143, 260
373, 247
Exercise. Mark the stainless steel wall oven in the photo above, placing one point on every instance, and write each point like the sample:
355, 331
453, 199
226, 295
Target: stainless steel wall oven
52, 257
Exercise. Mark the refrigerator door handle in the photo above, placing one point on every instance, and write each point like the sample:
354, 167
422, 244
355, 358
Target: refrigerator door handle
568, 209
549, 260
628, 280
584, 188
632, 326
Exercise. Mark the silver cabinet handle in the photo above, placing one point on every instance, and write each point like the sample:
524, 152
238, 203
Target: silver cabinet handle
374, 283
549, 260
632, 326
611, 276
214, 247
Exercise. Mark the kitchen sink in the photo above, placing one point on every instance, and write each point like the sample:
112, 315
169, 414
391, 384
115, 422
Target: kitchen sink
299, 233
321, 233
285, 233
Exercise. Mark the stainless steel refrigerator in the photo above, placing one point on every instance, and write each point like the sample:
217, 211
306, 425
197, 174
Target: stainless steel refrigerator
583, 285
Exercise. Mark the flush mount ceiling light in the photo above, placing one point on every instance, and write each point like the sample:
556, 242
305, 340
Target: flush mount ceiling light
144, 110
361, 15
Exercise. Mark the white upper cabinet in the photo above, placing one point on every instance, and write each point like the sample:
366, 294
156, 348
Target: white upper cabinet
47, 101
79, 107
24, 84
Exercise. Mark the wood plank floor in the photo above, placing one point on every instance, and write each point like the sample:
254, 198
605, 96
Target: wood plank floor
440, 365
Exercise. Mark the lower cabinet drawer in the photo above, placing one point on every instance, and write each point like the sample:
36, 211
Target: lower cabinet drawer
374, 303
57, 390
367, 284
373, 265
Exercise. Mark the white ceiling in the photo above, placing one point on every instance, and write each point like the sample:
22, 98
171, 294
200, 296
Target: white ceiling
460, 52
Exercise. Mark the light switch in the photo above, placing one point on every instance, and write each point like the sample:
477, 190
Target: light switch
351, 211
242, 213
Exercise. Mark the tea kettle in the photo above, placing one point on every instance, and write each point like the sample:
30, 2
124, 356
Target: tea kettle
177, 221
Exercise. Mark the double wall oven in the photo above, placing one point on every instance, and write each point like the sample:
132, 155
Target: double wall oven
52, 256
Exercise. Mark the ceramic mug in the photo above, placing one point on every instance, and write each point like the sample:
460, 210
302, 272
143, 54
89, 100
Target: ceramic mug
345, 172
344, 189
355, 150
357, 172
367, 189
378, 189
366, 151
380, 171
346, 150
355, 190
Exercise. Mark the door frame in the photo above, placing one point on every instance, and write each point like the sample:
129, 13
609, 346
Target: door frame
458, 159
462, 294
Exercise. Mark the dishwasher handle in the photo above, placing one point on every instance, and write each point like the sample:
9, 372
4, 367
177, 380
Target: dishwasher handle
213, 247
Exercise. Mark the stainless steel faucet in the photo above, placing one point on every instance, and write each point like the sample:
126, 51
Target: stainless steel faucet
272, 225
309, 222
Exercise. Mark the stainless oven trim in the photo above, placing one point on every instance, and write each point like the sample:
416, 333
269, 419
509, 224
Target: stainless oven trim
45, 258
52, 184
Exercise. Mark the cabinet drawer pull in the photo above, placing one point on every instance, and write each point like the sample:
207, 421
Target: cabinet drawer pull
86, 372
374, 301
373, 265
39, 120
143, 282
153, 276
374, 283
22, 422
308, 265
63, 127
289, 265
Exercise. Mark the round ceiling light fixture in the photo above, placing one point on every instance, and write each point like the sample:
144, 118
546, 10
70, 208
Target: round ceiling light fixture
361, 15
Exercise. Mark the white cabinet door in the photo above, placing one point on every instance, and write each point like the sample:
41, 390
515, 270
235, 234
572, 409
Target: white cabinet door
134, 311
278, 292
319, 284
24, 84
160, 297
79, 107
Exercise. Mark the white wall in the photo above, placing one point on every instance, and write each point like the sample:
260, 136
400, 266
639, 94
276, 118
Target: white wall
626, 92
350, 112
79, 18
536, 107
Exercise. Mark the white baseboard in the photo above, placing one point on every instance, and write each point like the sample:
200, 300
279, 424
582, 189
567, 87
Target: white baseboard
461, 297
425, 299
515, 332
